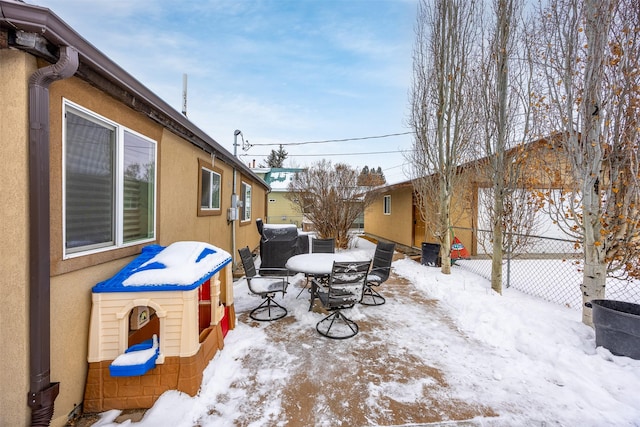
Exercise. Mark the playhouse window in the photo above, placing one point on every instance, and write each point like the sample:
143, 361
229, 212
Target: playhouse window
109, 183
143, 324
209, 187
245, 196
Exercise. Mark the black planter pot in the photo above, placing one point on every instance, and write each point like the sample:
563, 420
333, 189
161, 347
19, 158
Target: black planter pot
430, 254
617, 325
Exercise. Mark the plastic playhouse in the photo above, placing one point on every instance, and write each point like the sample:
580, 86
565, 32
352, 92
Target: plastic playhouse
156, 324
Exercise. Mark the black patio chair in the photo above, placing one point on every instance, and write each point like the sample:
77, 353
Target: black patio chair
343, 290
266, 287
319, 246
325, 246
379, 273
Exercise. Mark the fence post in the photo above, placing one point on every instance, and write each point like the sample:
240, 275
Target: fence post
508, 265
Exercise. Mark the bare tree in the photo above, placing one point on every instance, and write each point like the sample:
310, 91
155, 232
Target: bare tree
519, 222
330, 198
590, 50
440, 108
501, 79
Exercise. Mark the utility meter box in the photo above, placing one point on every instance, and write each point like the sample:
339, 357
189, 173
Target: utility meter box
232, 214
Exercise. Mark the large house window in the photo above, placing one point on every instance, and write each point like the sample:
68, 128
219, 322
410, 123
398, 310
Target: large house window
210, 190
109, 183
245, 196
386, 205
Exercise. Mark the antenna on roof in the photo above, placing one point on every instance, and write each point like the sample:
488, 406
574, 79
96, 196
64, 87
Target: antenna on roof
184, 94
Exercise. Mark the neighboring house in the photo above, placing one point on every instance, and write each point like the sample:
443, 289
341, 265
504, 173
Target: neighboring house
280, 210
95, 167
395, 216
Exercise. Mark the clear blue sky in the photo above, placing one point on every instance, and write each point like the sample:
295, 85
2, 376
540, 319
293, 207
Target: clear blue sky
281, 71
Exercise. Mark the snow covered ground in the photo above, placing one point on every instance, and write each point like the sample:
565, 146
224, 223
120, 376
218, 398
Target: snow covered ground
531, 361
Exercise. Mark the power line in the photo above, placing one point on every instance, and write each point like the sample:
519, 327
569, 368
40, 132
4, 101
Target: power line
395, 167
335, 140
330, 154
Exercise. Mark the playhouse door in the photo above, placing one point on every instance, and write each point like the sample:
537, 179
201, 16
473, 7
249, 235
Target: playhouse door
204, 306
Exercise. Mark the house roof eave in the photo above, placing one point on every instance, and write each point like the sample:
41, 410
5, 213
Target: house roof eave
102, 72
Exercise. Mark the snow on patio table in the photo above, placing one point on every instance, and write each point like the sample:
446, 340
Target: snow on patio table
531, 361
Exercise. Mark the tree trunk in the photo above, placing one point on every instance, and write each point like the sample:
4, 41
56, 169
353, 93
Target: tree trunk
497, 255
593, 286
445, 32
595, 268
445, 227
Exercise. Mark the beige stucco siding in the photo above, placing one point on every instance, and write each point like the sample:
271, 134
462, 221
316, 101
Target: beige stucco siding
179, 198
15, 67
396, 226
246, 231
542, 163
71, 280
179, 173
282, 210
70, 313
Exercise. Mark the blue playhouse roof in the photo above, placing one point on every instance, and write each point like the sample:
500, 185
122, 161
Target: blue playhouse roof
204, 261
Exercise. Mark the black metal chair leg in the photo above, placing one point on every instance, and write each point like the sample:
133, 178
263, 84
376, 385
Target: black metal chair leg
337, 316
306, 285
269, 306
371, 297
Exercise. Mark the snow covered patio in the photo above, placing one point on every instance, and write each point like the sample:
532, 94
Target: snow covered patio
443, 349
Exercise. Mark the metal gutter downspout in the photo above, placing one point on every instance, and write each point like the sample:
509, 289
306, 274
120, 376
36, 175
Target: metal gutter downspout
42, 392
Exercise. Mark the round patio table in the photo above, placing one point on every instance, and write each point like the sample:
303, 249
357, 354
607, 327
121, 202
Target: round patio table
317, 265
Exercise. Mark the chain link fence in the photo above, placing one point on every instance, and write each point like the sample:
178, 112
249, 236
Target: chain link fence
548, 268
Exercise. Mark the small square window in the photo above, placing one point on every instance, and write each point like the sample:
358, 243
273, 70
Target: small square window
210, 189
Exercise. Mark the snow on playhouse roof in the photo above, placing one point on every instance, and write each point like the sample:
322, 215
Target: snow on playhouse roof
180, 266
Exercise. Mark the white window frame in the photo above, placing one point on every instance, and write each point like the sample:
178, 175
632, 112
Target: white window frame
211, 174
245, 196
119, 204
386, 204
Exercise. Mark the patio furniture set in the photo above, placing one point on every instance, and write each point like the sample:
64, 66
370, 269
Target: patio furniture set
337, 280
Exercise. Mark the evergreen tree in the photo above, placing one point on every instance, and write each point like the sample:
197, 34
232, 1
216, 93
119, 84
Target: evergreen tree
371, 177
277, 157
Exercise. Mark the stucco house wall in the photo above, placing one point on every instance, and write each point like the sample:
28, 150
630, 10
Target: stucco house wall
398, 224
14, 229
71, 279
542, 166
